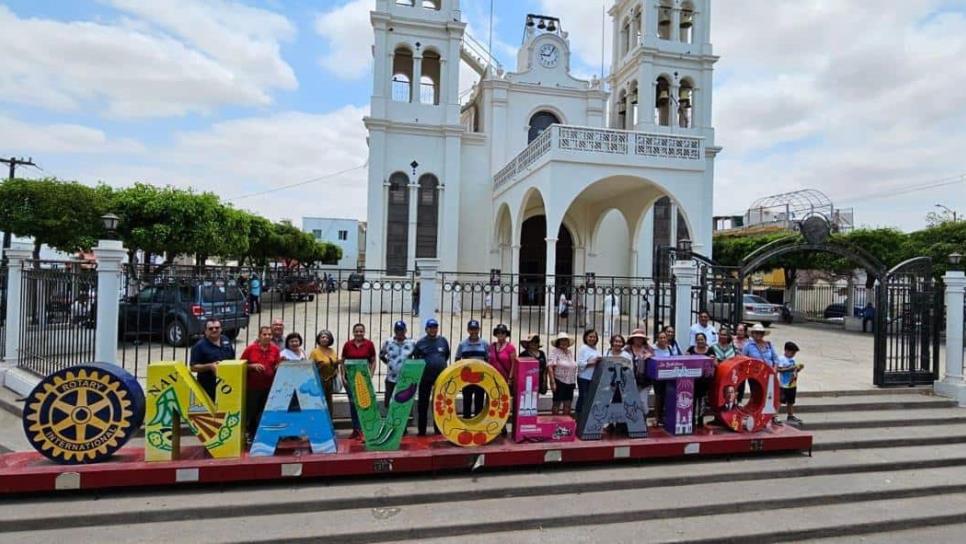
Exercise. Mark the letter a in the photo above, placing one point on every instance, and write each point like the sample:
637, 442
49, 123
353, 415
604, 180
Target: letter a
312, 422
614, 398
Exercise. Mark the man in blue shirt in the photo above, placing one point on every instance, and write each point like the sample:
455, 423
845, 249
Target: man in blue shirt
255, 294
434, 349
208, 352
474, 347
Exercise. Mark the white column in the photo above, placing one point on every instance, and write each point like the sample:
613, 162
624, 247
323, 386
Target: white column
672, 106
549, 302
415, 97
428, 291
685, 277
515, 279
16, 255
109, 255
953, 385
411, 240
674, 224
675, 24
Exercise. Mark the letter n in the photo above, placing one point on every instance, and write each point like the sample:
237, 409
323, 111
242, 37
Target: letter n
174, 395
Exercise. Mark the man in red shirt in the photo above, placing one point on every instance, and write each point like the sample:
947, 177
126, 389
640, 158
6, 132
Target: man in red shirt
263, 357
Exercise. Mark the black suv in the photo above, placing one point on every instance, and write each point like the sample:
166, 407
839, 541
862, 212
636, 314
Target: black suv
178, 312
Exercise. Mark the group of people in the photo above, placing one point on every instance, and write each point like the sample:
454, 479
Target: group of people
563, 371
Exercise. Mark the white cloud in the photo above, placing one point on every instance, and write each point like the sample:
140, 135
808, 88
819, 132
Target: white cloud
348, 32
20, 138
176, 59
263, 153
582, 20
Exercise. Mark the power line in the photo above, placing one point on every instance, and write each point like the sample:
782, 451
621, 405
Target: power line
908, 188
300, 183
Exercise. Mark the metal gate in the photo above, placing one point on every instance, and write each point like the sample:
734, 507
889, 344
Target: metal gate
718, 290
908, 323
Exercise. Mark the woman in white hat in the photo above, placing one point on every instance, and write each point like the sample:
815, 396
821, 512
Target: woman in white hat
639, 352
759, 348
563, 377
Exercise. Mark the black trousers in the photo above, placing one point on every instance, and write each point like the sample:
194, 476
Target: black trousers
473, 399
254, 405
425, 400
871, 323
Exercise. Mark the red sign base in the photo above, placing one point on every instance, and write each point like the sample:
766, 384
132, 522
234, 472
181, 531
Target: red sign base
24, 472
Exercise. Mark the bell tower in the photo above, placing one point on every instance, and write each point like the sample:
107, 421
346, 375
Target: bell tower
414, 134
661, 68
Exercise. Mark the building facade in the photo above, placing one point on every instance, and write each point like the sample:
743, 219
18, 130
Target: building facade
345, 233
536, 171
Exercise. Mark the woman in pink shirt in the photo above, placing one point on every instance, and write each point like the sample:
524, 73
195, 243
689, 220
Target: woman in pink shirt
503, 354
563, 368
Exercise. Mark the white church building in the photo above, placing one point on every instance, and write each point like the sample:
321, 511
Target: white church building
533, 170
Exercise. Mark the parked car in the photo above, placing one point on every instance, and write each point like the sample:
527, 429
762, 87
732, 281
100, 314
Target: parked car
355, 281
298, 287
836, 310
753, 308
178, 312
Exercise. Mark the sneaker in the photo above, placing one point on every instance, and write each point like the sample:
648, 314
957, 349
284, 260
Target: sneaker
776, 420
793, 419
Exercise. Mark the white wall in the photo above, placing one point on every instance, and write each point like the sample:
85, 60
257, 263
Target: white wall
328, 231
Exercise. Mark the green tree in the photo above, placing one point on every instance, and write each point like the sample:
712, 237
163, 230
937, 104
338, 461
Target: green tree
64, 215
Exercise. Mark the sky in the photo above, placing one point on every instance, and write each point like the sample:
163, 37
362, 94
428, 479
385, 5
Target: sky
262, 102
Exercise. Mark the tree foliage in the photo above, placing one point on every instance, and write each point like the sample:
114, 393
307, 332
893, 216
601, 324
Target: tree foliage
166, 221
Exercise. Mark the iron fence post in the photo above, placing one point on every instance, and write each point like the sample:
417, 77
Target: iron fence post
109, 255
16, 255
952, 384
685, 279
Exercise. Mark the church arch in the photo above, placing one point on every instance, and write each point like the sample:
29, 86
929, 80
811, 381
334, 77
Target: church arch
686, 103
664, 20
429, 81
397, 224
540, 121
686, 26
402, 74
662, 102
432, 4
427, 217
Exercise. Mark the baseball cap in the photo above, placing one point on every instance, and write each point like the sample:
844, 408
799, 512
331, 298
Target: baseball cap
432, 323
473, 324
399, 325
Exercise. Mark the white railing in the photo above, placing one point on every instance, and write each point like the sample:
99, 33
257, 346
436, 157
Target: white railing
599, 140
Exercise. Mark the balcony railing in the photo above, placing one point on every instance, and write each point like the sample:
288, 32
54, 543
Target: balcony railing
608, 142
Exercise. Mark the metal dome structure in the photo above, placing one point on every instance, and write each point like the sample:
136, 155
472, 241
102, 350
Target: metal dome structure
795, 206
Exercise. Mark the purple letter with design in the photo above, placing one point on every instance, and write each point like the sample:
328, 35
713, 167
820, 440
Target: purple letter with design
679, 372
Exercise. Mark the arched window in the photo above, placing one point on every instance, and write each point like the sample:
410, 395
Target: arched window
633, 100
429, 82
662, 103
637, 27
664, 21
427, 217
541, 121
622, 109
686, 104
409, 3
431, 4
402, 75
626, 37
687, 23
397, 225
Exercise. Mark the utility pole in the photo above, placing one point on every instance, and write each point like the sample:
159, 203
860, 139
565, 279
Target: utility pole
13, 163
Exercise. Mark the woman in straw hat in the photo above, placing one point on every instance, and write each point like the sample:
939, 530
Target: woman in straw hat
759, 348
639, 352
563, 368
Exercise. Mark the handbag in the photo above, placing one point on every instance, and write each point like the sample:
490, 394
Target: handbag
337, 384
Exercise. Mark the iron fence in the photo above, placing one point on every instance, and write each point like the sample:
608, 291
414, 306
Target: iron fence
163, 312
58, 301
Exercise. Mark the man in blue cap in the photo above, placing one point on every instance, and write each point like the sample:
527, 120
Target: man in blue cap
473, 347
434, 349
393, 354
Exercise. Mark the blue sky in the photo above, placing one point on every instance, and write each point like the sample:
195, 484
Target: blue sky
242, 97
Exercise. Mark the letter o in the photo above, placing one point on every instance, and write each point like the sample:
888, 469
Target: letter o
483, 427
764, 402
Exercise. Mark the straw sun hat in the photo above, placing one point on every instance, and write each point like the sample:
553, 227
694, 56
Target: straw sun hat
560, 337
758, 328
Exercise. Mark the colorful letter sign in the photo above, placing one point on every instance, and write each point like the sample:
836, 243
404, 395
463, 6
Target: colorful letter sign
175, 395
679, 372
299, 379
760, 410
483, 427
83, 414
527, 427
383, 433
614, 398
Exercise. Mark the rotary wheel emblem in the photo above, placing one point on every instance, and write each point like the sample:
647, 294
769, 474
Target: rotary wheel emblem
83, 414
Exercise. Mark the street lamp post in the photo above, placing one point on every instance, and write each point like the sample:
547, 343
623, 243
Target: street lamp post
948, 210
